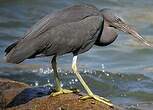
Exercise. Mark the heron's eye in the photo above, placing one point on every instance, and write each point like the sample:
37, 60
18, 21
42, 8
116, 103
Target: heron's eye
119, 20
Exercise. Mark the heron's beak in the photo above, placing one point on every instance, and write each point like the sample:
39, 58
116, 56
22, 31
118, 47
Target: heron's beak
122, 26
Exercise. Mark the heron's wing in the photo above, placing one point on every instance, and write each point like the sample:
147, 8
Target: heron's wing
72, 37
65, 38
9, 48
70, 14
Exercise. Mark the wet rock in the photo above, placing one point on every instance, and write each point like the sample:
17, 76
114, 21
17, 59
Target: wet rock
6, 84
19, 96
62, 102
8, 90
28, 94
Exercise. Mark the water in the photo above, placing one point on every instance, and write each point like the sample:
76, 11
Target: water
122, 71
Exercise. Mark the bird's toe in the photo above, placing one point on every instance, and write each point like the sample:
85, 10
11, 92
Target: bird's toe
63, 91
98, 98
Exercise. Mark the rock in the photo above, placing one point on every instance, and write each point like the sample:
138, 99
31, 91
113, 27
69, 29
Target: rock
19, 96
8, 90
6, 84
62, 102
28, 94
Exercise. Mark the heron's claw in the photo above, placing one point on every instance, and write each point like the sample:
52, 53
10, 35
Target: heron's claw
98, 98
63, 91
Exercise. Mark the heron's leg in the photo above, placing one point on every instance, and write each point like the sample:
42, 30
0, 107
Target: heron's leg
58, 88
90, 94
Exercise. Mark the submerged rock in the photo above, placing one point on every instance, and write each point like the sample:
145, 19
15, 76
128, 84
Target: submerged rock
19, 96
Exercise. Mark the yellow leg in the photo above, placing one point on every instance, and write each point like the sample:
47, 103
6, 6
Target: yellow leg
90, 94
58, 88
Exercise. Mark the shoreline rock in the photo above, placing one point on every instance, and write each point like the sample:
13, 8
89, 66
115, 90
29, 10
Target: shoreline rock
19, 96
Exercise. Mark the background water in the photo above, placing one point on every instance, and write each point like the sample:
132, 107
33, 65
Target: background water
122, 71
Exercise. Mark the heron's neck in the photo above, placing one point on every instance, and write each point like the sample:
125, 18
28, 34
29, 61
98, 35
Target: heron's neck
108, 35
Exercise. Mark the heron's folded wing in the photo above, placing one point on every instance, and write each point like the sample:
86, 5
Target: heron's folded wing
65, 38
71, 14
74, 36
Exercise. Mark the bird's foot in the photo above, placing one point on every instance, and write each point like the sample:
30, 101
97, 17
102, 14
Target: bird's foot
64, 91
98, 98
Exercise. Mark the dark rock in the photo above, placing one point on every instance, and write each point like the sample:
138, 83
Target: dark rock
19, 96
28, 94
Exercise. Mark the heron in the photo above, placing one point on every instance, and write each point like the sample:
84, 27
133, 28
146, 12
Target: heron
74, 29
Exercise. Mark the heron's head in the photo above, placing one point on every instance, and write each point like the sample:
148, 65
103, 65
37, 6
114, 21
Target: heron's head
118, 23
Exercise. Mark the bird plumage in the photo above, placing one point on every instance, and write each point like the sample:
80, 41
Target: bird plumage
108, 35
41, 41
28, 49
69, 14
74, 29
76, 37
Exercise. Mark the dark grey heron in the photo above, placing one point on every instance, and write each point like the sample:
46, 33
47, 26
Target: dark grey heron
72, 30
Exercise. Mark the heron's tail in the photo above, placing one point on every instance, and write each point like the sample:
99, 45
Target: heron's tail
17, 54
10, 47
